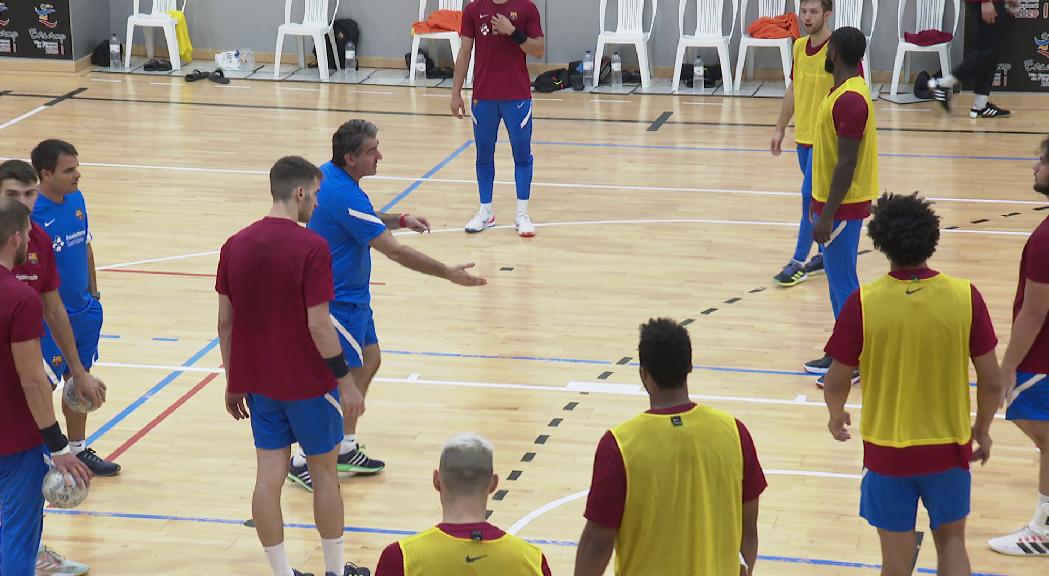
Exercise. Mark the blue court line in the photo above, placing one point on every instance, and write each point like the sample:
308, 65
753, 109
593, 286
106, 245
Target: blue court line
424, 177
150, 393
109, 337
161, 339
765, 150
392, 532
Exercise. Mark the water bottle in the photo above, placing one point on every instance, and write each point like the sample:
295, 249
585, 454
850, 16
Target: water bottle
420, 65
617, 71
114, 52
249, 59
351, 58
588, 69
699, 74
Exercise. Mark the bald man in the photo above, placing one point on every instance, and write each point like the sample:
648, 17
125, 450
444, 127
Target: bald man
464, 544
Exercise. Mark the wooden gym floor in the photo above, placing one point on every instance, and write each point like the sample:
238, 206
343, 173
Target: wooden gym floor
688, 217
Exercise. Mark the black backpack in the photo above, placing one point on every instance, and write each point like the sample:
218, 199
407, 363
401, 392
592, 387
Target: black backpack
575, 73
100, 56
432, 71
346, 31
552, 81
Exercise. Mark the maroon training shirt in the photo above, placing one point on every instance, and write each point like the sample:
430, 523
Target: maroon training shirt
21, 320
500, 69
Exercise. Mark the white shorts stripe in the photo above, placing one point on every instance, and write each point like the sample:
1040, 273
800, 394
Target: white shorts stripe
349, 337
331, 400
1025, 386
528, 117
836, 232
55, 380
365, 217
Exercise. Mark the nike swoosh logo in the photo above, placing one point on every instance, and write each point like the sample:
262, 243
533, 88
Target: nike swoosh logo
485, 15
48, 223
470, 560
910, 291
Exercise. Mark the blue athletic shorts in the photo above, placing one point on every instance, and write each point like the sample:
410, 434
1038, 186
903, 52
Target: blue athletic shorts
315, 423
891, 502
87, 328
1030, 398
21, 509
355, 325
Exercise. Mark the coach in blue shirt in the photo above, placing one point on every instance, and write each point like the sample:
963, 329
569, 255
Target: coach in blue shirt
346, 219
60, 209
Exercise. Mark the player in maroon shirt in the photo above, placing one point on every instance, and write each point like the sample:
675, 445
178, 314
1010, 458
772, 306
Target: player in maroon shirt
29, 434
18, 180
284, 366
503, 31
1026, 366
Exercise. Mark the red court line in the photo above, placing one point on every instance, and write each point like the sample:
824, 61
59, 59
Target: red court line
186, 274
161, 417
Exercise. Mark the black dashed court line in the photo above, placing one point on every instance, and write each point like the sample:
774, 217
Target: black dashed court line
980, 221
487, 514
542, 438
756, 290
732, 300
528, 457
687, 321
604, 376
660, 121
571, 406
624, 361
919, 538
514, 475
1040, 208
862, 252
249, 523
500, 494
507, 269
65, 96
709, 311
555, 422
1010, 215
951, 228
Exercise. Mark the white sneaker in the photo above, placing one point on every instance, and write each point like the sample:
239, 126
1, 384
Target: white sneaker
51, 563
481, 221
1030, 541
525, 228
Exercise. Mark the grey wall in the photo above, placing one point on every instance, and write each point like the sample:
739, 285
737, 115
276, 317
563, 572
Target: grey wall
571, 28
90, 24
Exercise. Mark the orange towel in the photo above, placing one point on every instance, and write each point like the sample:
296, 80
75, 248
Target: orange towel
440, 21
785, 26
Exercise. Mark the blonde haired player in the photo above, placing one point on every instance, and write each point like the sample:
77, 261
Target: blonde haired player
464, 544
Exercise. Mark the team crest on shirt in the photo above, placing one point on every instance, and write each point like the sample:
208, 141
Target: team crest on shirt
32, 258
485, 30
79, 214
56, 361
513, 15
58, 244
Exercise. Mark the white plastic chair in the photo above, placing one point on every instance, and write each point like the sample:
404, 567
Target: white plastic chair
629, 30
452, 37
316, 24
158, 18
710, 32
929, 15
766, 9
850, 13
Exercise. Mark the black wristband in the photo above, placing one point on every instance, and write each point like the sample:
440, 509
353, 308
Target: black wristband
338, 365
54, 438
519, 36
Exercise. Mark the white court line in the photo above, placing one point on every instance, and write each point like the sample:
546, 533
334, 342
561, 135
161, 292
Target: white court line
703, 103
612, 101
580, 223
435, 96
166, 83
106, 81
892, 109
585, 186
14, 121
372, 92
800, 399
571, 387
294, 89
239, 86
549, 99
413, 377
527, 519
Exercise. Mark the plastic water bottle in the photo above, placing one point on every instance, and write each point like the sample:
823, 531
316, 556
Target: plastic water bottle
114, 52
588, 69
351, 57
617, 71
420, 65
699, 74
248, 56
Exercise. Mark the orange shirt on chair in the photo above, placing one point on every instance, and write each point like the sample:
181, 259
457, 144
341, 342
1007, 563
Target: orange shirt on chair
440, 21
784, 26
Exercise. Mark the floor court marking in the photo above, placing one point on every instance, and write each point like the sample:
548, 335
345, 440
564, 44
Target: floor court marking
29, 114
579, 224
394, 532
419, 181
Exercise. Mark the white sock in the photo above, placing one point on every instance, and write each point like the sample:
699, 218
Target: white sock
487, 208
948, 81
76, 446
298, 459
522, 206
349, 444
333, 555
278, 560
980, 102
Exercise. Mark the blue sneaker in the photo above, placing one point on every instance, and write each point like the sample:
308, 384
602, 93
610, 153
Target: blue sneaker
814, 265
352, 570
791, 275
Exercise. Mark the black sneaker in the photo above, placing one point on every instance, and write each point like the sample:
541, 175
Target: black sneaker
96, 464
301, 475
855, 379
352, 570
358, 462
297, 573
941, 95
820, 366
990, 111
814, 265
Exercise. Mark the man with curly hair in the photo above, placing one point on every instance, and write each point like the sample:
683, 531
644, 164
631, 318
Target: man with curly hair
912, 334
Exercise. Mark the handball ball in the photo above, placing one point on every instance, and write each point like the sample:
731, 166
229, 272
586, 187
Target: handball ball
62, 490
73, 399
